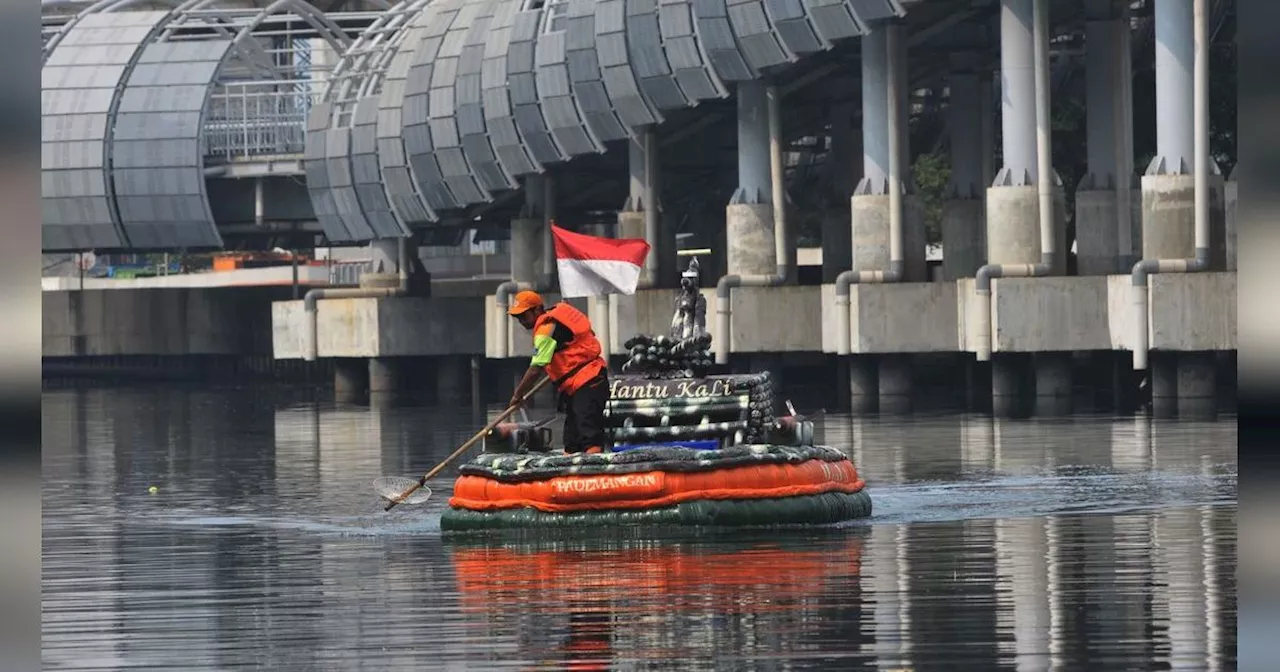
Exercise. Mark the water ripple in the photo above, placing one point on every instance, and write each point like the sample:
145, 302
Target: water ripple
1097, 543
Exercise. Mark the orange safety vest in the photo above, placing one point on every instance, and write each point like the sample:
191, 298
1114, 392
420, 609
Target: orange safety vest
577, 361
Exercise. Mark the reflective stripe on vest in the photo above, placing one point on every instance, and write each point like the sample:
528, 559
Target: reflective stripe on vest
577, 361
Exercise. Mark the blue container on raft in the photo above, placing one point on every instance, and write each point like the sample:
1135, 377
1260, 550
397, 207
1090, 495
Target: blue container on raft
699, 444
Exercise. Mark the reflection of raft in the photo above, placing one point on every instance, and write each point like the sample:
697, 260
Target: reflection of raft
724, 576
703, 452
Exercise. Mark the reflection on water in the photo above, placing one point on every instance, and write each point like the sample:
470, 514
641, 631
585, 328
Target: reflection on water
1078, 543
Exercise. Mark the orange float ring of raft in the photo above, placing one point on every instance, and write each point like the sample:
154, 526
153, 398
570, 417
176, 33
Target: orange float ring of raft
745, 485
651, 489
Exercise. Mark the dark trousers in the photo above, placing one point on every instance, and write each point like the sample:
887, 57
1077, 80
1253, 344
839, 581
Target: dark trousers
584, 415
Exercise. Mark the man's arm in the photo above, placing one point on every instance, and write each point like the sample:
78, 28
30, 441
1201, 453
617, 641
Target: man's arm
544, 347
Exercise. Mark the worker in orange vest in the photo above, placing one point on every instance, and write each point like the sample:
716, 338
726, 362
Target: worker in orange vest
566, 348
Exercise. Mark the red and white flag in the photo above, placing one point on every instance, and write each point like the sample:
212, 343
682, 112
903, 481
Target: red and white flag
594, 266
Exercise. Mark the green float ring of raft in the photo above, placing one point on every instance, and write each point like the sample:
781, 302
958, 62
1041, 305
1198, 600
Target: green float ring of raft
824, 509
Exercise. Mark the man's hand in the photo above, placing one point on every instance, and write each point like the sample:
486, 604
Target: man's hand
515, 401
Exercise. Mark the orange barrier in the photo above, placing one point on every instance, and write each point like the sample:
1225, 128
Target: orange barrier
654, 489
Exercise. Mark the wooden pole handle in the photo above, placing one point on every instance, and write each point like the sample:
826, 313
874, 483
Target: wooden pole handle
470, 442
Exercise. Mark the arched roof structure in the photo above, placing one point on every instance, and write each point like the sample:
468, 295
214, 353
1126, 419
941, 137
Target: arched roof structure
438, 106
126, 96
473, 95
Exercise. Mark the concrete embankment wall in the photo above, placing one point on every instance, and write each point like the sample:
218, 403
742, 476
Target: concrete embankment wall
164, 332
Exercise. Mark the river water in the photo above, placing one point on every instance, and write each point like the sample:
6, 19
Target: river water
1090, 543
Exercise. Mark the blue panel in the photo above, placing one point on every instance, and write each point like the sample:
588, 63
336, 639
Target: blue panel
616, 69
718, 41
689, 63
835, 20
366, 177
644, 47
79, 88
419, 133
522, 77
584, 73
873, 10
753, 30
158, 179
555, 96
401, 187
316, 167
513, 157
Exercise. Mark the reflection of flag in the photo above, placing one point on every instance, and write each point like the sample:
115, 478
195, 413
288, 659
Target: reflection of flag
592, 266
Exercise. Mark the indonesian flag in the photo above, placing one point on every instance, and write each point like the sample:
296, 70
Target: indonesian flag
594, 266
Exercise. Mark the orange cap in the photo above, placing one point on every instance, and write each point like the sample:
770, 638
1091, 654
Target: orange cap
524, 301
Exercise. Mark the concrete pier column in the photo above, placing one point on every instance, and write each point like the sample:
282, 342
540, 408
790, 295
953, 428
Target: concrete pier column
532, 250
453, 379
1231, 198
384, 255
1197, 384
1053, 374
843, 172
963, 214
749, 216
641, 216
875, 111
350, 378
895, 383
1163, 383
863, 383
1168, 187
1013, 205
1018, 88
526, 249
870, 202
1010, 382
384, 375
1108, 209
1053, 383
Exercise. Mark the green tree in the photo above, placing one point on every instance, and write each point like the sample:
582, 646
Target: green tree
932, 174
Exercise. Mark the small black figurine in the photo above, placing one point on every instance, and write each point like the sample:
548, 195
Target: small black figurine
690, 318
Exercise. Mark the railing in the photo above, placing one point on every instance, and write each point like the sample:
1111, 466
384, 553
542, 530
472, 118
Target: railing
259, 118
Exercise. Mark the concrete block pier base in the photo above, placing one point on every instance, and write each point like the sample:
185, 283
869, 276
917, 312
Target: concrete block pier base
1168, 219
1197, 384
385, 376
453, 379
1053, 382
1013, 228
871, 251
1100, 249
864, 387
964, 237
895, 384
350, 379
1011, 383
750, 235
879, 383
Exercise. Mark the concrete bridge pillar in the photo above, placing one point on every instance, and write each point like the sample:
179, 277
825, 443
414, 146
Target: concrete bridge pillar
1108, 210
350, 379
749, 217
964, 227
641, 216
1013, 224
1013, 204
1168, 187
532, 249
870, 202
385, 375
384, 255
1231, 192
843, 172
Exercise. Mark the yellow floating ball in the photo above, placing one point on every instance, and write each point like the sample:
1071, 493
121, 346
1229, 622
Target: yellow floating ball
153, 489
